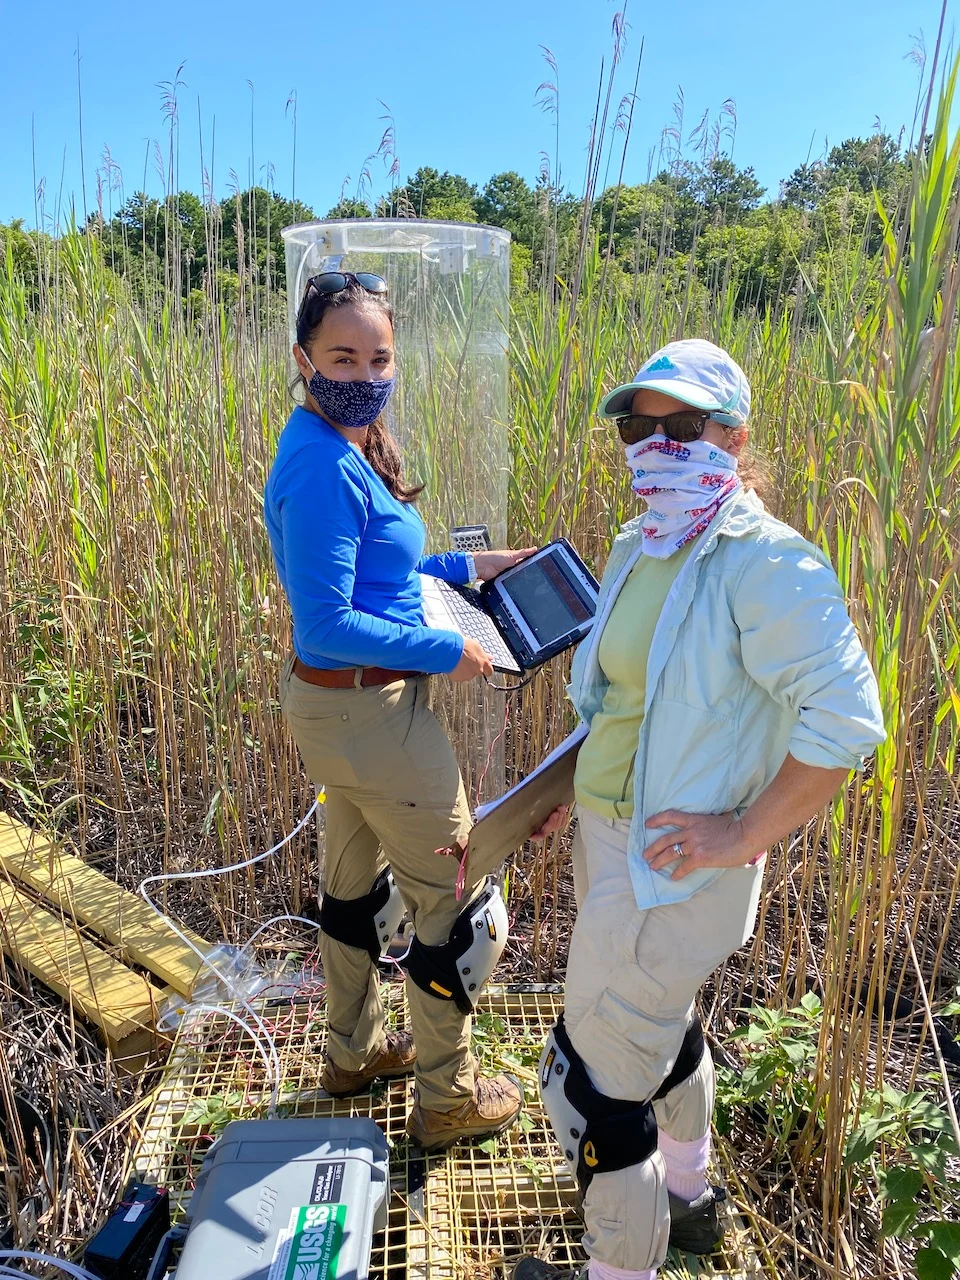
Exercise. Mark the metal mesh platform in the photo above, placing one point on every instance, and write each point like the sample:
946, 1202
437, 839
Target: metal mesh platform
470, 1212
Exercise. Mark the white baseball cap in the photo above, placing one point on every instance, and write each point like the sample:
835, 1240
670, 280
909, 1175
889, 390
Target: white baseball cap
692, 370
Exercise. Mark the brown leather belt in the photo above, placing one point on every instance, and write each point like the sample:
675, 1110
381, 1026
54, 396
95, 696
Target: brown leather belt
346, 677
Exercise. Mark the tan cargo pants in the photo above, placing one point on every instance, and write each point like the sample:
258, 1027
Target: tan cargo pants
394, 795
632, 977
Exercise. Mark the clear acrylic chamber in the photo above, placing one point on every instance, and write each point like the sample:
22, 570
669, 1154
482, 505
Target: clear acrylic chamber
450, 290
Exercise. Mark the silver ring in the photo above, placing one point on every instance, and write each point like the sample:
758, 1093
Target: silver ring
678, 850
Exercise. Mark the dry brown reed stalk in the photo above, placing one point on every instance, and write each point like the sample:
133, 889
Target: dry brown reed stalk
58, 1068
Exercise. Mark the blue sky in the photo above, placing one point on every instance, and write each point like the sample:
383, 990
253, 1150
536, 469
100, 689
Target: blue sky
460, 81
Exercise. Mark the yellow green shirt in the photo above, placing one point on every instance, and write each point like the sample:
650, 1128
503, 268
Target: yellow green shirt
604, 776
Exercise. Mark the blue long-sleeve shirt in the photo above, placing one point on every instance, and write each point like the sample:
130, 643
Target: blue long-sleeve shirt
349, 556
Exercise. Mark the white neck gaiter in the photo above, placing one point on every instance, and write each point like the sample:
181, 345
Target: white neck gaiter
683, 485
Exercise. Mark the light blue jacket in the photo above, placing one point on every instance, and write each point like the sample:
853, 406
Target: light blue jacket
754, 657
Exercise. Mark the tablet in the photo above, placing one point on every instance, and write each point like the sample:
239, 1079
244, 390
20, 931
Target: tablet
544, 605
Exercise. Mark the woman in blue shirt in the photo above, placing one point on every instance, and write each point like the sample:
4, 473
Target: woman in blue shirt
348, 545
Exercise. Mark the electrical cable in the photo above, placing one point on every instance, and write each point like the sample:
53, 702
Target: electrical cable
493, 746
258, 1031
511, 688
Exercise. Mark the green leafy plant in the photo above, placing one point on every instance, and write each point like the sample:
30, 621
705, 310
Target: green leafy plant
211, 1115
780, 1048
141, 620
905, 1141
900, 1144
497, 1047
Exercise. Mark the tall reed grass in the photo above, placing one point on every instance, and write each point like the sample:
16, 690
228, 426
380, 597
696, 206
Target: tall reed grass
142, 629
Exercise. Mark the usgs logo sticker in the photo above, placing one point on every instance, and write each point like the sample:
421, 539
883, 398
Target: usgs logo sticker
310, 1247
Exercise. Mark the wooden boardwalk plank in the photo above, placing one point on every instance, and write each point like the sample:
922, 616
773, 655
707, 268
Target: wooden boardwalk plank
102, 989
121, 917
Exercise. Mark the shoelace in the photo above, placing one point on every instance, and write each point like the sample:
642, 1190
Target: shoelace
397, 1042
492, 1091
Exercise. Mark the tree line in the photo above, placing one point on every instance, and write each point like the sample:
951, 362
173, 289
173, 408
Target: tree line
708, 217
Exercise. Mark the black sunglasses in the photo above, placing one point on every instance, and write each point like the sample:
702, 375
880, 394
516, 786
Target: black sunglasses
336, 281
682, 427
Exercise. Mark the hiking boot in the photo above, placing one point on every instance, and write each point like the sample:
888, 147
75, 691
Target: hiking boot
398, 1057
695, 1225
495, 1105
535, 1269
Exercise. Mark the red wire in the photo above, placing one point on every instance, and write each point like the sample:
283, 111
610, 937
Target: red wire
493, 747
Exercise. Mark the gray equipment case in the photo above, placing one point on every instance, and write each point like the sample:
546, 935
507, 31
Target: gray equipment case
288, 1200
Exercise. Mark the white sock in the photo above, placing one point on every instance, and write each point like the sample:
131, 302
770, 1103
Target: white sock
686, 1164
603, 1271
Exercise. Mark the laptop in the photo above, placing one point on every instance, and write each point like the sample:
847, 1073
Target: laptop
526, 615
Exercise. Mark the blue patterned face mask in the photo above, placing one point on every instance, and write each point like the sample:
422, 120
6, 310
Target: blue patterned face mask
350, 404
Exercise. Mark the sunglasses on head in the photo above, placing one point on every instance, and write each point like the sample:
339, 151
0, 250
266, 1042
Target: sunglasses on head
336, 281
683, 427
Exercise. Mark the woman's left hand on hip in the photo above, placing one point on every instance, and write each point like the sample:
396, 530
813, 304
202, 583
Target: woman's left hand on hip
489, 563
697, 840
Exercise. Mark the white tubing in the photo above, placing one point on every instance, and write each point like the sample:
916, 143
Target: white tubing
69, 1268
215, 871
276, 920
271, 1060
261, 1036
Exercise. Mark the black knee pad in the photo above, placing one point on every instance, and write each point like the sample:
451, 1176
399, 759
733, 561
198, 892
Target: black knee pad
688, 1059
458, 968
368, 923
597, 1134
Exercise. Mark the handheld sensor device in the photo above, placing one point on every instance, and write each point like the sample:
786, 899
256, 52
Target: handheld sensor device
524, 616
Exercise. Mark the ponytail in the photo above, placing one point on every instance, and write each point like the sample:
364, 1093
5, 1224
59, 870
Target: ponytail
381, 450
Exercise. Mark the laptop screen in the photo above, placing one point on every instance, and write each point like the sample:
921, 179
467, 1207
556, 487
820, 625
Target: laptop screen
548, 597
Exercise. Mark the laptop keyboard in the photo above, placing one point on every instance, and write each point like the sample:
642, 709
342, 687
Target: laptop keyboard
473, 621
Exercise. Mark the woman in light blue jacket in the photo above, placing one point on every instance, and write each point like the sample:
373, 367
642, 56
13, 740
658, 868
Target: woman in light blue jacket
728, 698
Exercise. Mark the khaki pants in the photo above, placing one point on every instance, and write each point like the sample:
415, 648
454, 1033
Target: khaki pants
394, 795
632, 977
